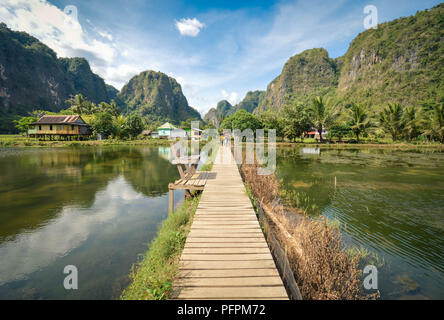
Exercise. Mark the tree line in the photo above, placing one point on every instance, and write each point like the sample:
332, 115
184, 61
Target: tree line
105, 118
352, 120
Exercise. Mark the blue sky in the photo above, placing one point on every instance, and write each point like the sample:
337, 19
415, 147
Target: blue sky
215, 49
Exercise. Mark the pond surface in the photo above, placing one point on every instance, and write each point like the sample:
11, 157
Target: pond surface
388, 202
94, 208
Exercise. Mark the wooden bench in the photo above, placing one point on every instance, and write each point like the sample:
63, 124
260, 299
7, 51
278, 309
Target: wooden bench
190, 179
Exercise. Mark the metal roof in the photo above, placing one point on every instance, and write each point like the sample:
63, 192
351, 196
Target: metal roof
68, 119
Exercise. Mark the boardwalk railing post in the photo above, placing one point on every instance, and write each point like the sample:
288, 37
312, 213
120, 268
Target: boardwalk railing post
170, 201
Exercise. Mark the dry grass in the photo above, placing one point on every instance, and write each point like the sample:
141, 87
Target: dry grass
320, 264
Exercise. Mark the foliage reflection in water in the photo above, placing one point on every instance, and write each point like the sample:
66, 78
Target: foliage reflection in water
389, 202
95, 208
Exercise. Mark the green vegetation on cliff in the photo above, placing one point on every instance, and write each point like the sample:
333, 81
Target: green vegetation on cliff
401, 61
215, 116
304, 76
32, 77
156, 96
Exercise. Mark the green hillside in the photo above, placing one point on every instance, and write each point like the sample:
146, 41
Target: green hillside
156, 96
32, 77
401, 61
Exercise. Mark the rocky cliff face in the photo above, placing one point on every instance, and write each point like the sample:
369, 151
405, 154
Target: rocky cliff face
401, 61
224, 108
303, 76
32, 77
216, 115
157, 96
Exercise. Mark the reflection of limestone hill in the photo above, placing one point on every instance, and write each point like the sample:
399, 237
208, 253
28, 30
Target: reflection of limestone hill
43, 185
150, 173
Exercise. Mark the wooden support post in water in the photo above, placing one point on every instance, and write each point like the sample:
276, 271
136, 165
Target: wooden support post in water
171, 201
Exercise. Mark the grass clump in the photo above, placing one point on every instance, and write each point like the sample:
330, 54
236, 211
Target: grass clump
152, 277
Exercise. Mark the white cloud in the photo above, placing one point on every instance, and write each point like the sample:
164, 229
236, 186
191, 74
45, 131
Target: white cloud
56, 29
189, 27
232, 97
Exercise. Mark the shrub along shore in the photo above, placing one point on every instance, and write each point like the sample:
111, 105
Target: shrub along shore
152, 277
322, 266
17, 141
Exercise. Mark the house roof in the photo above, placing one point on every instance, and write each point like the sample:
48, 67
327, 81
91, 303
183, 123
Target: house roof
68, 119
146, 132
167, 126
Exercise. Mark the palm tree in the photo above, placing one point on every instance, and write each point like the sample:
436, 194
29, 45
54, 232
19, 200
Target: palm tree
322, 114
76, 103
120, 125
391, 119
358, 121
411, 123
435, 123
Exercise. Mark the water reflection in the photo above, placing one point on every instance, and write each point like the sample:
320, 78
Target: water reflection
388, 201
94, 208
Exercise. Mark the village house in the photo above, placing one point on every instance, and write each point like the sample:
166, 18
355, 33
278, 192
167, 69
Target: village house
64, 127
167, 130
164, 131
314, 134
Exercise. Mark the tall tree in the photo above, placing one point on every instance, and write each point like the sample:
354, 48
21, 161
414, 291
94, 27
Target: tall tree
120, 126
434, 126
77, 103
134, 125
111, 108
242, 120
358, 119
271, 120
23, 123
322, 114
295, 121
411, 123
392, 121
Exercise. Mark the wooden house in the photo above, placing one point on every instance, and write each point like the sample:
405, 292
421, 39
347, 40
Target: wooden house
60, 127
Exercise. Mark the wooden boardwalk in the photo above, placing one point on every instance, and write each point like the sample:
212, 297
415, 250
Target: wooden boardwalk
226, 255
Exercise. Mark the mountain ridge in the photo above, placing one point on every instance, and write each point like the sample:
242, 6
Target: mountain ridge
401, 61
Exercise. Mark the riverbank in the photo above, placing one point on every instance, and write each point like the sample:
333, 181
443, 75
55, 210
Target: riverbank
430, 145
322, 266
152, 277
22, 141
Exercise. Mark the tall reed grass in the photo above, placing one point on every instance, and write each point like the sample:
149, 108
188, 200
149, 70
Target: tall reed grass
322, 266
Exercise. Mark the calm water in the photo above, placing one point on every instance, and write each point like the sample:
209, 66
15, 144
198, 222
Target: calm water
96, 209
389, 202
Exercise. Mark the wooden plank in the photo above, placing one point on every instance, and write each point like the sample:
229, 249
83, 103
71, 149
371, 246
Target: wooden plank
252, 250
229, 293
228, 236
226, 257
191, 244
261, 281
227, 273
252, 264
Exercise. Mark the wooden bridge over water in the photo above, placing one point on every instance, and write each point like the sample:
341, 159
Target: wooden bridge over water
226, 255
